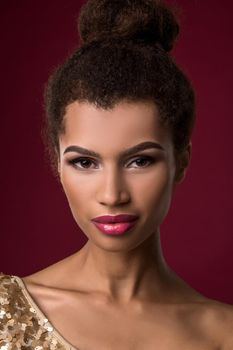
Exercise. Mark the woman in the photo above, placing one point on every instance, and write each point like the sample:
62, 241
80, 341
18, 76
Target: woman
120, 115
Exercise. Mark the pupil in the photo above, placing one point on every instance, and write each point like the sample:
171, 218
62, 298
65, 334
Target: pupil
84, 162
141, 161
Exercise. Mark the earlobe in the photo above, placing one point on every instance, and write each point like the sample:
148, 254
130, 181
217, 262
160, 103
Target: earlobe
183, 161
58, 161
59, 175
59, 170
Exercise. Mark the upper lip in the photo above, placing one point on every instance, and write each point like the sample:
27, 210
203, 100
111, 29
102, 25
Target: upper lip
115, 218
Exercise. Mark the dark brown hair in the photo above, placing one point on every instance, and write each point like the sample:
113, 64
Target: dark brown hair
123, 54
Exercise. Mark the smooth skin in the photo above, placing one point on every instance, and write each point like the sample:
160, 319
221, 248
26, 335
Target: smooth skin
117, 292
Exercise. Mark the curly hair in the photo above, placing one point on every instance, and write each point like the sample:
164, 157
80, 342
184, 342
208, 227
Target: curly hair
123, 55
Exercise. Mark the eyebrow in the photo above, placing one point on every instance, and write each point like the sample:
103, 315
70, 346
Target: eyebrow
137, 148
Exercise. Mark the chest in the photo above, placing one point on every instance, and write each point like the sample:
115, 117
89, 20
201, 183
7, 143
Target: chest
95, 326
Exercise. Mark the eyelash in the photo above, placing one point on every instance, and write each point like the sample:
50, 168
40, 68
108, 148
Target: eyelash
74, 161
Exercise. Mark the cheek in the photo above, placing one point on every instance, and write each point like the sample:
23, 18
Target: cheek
76, 193
153, 193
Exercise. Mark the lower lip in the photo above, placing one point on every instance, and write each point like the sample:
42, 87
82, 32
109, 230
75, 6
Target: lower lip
115, 229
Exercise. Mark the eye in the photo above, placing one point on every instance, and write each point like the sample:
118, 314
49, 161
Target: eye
84, 162
144, 161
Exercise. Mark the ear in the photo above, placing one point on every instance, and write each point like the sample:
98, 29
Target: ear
58, 162
182, 162
59, 167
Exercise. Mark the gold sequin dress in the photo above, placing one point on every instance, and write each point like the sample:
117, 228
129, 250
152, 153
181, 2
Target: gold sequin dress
22, 324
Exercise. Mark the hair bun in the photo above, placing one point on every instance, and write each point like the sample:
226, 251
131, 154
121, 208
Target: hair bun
148, 21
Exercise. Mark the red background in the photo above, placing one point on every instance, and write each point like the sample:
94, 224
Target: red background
37, 228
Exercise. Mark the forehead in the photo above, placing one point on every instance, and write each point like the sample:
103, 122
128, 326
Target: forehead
123, 125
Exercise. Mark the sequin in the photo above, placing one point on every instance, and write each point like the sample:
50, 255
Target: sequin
2, 313
4, 347
20, 325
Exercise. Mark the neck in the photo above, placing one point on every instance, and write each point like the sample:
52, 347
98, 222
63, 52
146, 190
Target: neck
126, 275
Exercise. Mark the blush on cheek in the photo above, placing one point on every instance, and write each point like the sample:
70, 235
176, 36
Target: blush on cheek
76, 196
160, 200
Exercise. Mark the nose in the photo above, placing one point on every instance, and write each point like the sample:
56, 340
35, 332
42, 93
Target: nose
112, 190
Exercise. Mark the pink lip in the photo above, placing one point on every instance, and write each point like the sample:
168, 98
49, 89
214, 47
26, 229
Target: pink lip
110, 219
115, 229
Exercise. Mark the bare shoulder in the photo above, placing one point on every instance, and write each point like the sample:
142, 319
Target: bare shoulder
53, 276
52, 288
222, 319
216, 319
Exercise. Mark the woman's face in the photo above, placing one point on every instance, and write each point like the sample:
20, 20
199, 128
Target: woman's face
140, 182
